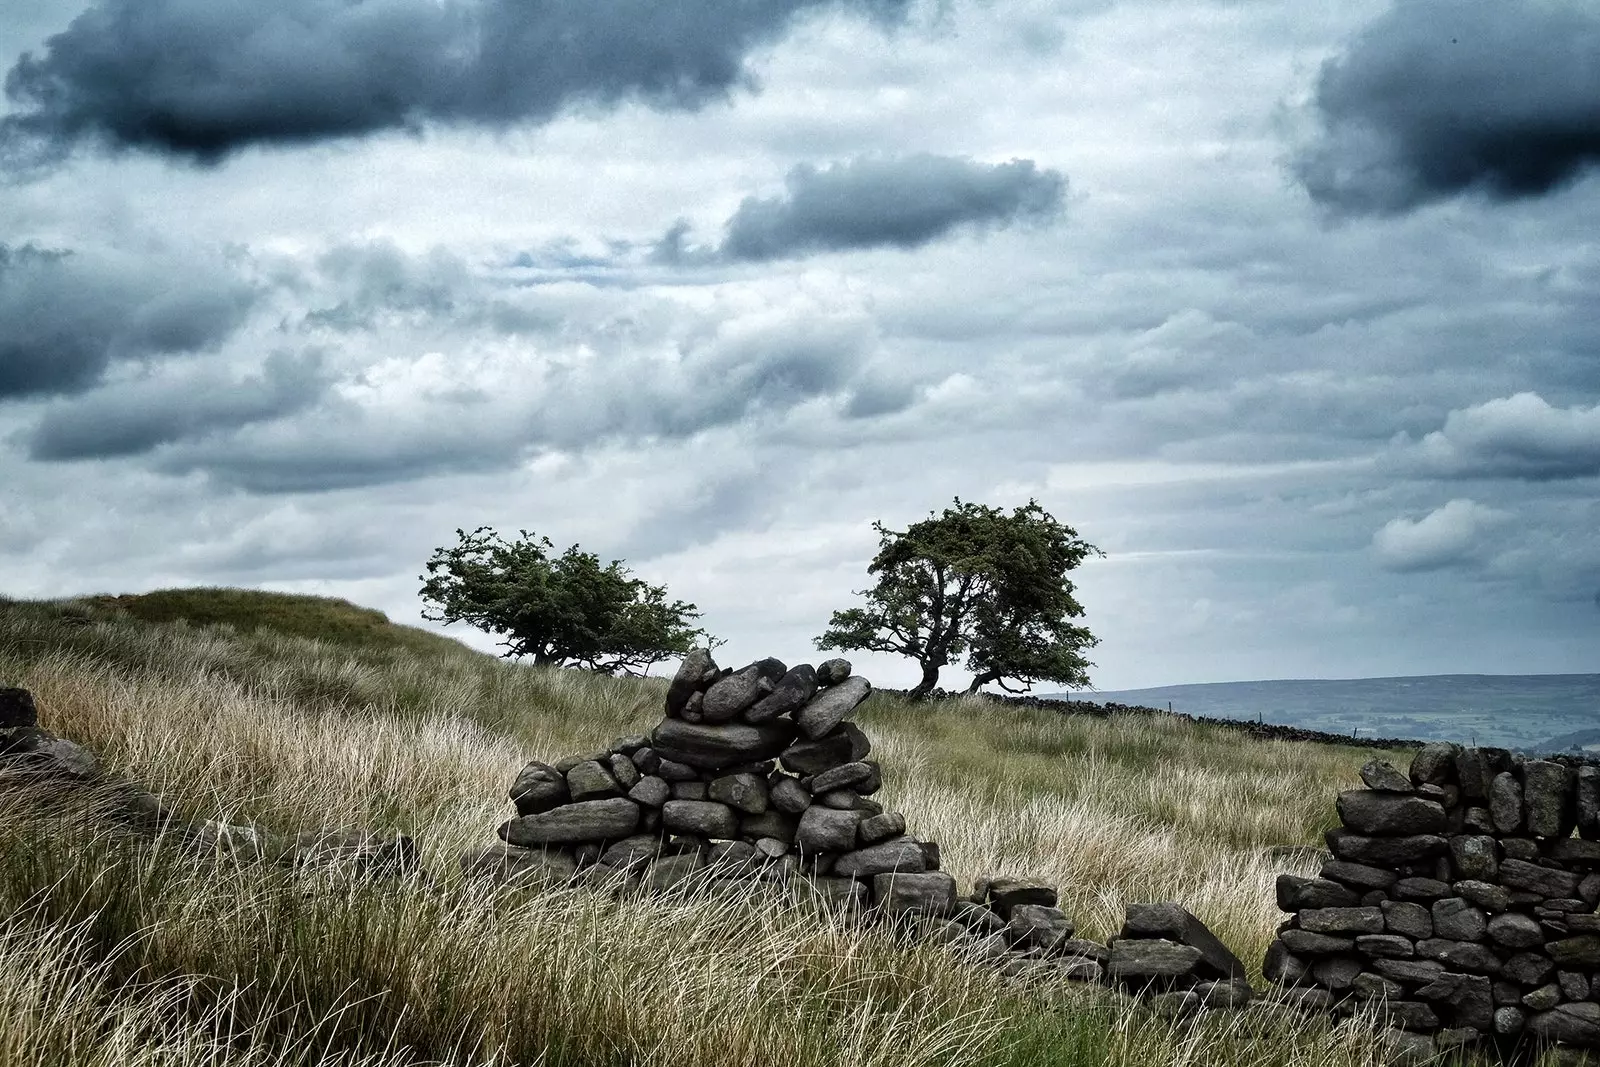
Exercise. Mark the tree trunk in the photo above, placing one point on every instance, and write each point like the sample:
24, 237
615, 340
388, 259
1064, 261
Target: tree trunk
543, 659
930, 678
981, 680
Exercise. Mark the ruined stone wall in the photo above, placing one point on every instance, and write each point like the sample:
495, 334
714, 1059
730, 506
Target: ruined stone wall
1460, 897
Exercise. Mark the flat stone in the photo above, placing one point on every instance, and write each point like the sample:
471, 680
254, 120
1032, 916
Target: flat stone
588, 820
650, 791
696, 670
1385, 851
1460, 955
824, 829
1412, 1015
1336, 973
702, 818
770, 823
1475, 857
1304, 999
1519, 874
1404, 917
1576, 852
1038, 927
1385, 946
745, 792
1174, 922
1003, 893
828, 708
788, 795
1528, 968
670, 872
1138, 962
844, 776
1370, 986
1420, 889
719, 747
1505, 803
1581, 951
590, 780
1358, 875
1224, 994
1542, 999
729, 697
676, 772
901, 893
539, 787
1382, 775
880, 828
896, 854
1574, 1024
507, 865
844, 744
1305, 943
1458, 920
1491, 898
1342, 921
1409, 972
1295, 892
1548, 791
632, 853
1514, 930
1369, 811
791, 694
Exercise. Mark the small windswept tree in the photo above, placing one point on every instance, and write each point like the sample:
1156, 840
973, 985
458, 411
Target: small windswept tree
978, 583
564, 610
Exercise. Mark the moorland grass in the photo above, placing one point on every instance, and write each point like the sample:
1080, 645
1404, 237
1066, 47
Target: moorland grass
216, 963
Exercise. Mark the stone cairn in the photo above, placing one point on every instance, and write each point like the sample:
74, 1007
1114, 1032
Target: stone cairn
1457, 902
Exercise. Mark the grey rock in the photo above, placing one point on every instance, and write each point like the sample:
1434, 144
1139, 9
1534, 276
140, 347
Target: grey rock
1513, 930
1458, 920
703, 818
691, 791
1305, 943
825, 829
730, 697
977, 918
1478, 821
671, 872
1542, 999
1303, 998
880, 828
1576, 852
1368, 811
632, 853
1412, 1015
650, 791
771, 847
1295, 892
692, 707
833, 671
843, 745
1039, 927
1370, 986
1491, 898
788, 795
590, 780
745, 792
1474, 772
1549, 793
1420, 889
1382, 775
56, 757
539, 787
1409, 972
588, 820
1224, 994
1403, 917
1385, 851
1574, 1024
1509, 1021
719, 747
1475, 857
1587, 802
1004, 892
1574, 985
828, 708
844, 776
791, 694
734, 856
1519, 874
696, 670
1342, 921
676, 772
1385, 946
1582, 951
1460, 955
929, 893
506, 865
1359, 876
770, 823
1468, 997
841, 800
1528, 968
623, 770
1174, 922
1505, 803
1402, 1049
841, 894
1336, 973
896, 854
1282, 967
1140, 962
1434, 763
1519, 848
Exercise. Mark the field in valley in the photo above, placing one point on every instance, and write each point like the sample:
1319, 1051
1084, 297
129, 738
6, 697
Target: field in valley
329, 717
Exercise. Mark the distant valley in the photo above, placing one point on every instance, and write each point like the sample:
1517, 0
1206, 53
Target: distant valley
1533, 712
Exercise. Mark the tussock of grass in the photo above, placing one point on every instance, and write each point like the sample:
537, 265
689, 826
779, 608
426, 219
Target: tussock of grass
257, 965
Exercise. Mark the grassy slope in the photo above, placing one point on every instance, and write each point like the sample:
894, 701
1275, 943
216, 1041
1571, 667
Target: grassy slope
297, 713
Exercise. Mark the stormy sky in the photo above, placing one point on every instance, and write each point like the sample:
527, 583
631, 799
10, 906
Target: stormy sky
1293, 310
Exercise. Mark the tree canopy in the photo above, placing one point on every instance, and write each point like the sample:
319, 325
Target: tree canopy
975, 581
564, 610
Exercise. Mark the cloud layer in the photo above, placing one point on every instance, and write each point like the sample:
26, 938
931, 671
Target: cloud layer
1518, 436
1442, 97
204, 78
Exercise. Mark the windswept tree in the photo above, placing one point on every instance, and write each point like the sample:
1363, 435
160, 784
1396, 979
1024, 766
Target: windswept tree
978, 583
564, 610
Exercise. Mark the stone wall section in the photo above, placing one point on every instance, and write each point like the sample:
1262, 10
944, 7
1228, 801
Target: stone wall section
1460, 899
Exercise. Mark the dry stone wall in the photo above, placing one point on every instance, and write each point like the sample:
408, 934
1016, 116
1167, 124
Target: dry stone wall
1460, 899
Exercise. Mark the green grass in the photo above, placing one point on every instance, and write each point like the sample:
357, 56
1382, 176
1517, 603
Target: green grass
139, 955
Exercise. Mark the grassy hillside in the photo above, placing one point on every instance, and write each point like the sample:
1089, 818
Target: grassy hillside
300, 713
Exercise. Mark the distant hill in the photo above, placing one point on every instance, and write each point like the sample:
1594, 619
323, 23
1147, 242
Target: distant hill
1533, 712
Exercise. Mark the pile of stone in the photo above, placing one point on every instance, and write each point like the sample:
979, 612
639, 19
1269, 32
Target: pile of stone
752, 774
1166, 953
1458, 901
1014, 924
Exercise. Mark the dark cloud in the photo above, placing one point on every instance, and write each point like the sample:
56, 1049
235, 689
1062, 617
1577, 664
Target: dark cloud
1519, 436
135, 418
67, 316
1442, 97
202, 80
873, 202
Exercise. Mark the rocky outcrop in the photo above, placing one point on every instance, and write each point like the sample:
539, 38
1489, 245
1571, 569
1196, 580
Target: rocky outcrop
1457, 900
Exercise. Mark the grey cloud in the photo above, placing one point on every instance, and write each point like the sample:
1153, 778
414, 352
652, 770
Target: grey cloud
1447, 536
1520, 436
68, 316
202, 80
376, 278
135, 418
870, 202
1442, 97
